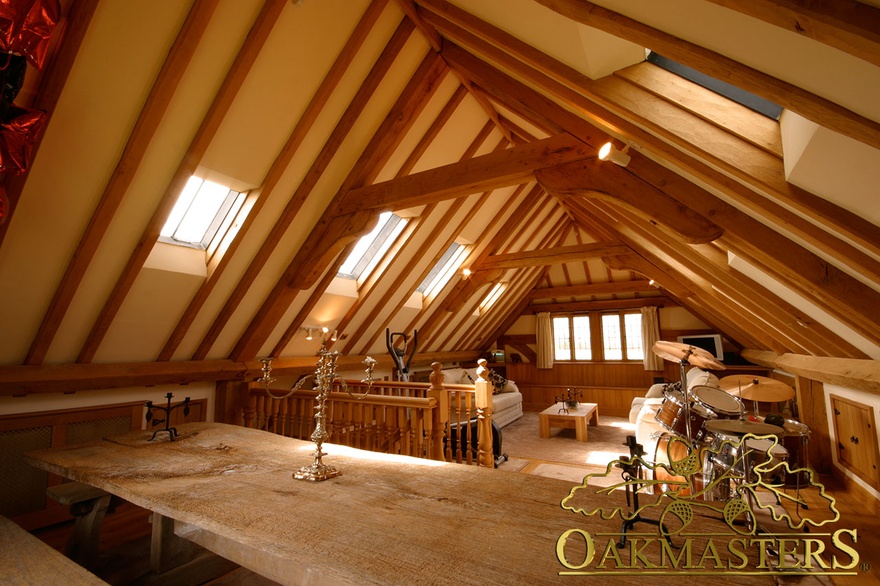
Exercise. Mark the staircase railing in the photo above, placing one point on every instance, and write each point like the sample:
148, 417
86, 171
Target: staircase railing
424, 420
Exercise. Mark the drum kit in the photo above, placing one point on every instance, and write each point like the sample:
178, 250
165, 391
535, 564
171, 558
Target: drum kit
714, 422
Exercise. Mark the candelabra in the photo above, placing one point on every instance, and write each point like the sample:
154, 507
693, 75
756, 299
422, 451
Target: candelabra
171, 431
571, 399
324, 377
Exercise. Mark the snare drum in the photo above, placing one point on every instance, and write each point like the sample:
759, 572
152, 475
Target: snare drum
717, 401
760, 451
794, 438
672, 416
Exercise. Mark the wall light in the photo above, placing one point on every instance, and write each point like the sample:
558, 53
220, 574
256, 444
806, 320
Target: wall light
609, 153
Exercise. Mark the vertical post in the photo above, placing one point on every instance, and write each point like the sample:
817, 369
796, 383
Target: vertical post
440, 414
483, 387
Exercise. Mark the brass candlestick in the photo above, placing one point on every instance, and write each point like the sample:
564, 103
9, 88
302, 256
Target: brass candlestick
324, 377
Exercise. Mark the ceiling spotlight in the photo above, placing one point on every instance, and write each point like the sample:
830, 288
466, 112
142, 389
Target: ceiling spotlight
308, 333
465, 273
609, 153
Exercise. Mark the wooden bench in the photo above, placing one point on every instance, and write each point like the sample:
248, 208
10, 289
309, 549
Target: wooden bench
88, 506
27, 560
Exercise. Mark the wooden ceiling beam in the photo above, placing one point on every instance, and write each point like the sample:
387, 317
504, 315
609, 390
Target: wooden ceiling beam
593, 289
71, 378
549, 256
859, 374
600, 305
853, 27
373, 325
622, 112
820, 110
512, 166
601, 180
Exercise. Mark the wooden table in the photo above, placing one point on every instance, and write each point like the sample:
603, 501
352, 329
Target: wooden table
386, 520
576, 418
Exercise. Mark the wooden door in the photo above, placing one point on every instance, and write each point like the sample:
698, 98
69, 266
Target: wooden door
855, 434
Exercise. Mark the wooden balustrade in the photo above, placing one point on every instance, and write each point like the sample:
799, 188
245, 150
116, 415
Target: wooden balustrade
425, 420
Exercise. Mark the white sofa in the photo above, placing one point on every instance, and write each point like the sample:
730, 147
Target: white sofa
506, 400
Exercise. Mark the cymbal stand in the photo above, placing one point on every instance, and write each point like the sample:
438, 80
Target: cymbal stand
631, 472
687, 398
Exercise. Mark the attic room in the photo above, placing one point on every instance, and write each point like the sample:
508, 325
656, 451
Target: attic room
203, 199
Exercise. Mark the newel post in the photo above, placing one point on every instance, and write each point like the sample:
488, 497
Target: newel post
439, 414
484, 416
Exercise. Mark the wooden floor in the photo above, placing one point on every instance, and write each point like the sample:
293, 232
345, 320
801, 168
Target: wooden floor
125, 545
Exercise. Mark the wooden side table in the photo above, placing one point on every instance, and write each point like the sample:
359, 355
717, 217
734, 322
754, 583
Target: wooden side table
576, 418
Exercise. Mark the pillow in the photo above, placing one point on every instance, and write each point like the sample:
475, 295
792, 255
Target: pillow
698, 377
655, 392
497, 381
453, 376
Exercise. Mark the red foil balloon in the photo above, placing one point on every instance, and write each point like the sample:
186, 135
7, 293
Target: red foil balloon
17, 137
26, 27
4, 205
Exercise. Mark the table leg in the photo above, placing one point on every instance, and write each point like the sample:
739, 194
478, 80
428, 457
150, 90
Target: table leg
580, 429
594, 416
544, 425
163, 544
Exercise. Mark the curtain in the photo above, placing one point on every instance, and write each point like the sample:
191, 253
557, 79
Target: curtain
650, 335
544, 334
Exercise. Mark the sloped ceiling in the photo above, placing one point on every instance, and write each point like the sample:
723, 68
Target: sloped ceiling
480, 122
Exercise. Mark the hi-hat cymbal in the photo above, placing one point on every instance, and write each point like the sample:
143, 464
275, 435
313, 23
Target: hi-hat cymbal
678, 352
741, 427
756, 388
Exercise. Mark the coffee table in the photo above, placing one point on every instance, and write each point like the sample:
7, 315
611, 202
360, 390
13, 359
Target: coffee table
577, 418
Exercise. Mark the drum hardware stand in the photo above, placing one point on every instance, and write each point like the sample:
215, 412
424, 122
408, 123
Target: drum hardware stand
687, 395
171, 431
631, 473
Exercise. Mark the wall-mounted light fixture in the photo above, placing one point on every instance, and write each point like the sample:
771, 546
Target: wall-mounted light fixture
608, 152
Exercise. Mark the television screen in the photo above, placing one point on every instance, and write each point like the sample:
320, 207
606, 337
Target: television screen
709, 342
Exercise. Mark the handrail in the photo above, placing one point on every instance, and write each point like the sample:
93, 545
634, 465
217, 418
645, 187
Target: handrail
429, 420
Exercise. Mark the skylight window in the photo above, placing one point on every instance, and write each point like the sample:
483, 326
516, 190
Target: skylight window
371, 248
738, 95
445, 268
203, 211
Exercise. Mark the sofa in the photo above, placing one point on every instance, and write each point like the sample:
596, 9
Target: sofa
506, 397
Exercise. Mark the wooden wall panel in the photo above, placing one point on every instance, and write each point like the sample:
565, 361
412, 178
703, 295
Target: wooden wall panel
611, 386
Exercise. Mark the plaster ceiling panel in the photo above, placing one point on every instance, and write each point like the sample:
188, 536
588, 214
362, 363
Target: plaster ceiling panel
592, 52
278, 87
835, 167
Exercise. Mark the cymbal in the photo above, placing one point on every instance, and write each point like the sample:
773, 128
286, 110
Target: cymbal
756, 388
678, 352
741, 427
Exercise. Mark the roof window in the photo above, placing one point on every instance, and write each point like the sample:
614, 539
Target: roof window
445, 268
204, 211
738, 95
370, 248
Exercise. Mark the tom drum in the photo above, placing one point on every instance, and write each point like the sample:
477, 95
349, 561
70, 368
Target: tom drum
672, 416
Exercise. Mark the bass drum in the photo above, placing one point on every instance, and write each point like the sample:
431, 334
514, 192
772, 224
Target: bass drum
680, 468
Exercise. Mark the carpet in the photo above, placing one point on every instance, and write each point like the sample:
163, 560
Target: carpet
561, 455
